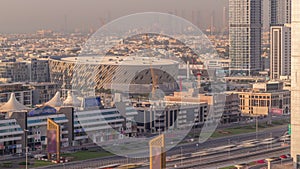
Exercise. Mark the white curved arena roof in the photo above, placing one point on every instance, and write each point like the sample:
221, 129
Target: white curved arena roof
119, 60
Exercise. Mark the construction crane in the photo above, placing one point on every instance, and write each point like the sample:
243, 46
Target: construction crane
197, 73
153, 75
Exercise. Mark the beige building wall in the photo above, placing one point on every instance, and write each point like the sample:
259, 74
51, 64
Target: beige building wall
225, 105
255, 103
295, 77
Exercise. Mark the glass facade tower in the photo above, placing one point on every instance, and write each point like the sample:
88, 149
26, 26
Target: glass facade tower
245, 29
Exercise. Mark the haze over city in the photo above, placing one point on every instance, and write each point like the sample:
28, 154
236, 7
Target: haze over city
31, 15
149, 90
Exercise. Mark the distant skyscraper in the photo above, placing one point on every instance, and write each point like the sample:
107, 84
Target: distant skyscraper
199, 20
193, 18
245, 28
295, 77
280, 38
212, 23
280, 51
225, 20
280, 11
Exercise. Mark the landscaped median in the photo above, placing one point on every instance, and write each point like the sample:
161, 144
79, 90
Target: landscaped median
74, 156
85, 155
243, 129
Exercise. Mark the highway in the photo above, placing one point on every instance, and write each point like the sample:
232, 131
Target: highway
285, 163
223, 141
181, 149
230, 155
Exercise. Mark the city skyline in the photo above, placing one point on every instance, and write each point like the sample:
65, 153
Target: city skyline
214, 86
31, 15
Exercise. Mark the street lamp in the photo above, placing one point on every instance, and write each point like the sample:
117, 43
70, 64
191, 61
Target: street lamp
26, 148
198, 151
229, 147
256, 131
272, 140
181, 156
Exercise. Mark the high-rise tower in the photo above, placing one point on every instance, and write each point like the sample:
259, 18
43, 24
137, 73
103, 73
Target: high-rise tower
245, 27
280, 11
225, 18
295, 77
280, 38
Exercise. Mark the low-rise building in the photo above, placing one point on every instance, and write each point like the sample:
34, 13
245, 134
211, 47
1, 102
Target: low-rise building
34, 70
38, 70
264, 98
14, 71
97, 125
11, 136
28, 94
18, 123
221, 106
154, 118
23, 93
42, 92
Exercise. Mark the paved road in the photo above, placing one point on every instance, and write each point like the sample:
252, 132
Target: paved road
186, 148
211, 143
282, 163
204, 160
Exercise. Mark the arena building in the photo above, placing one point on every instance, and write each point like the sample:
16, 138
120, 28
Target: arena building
128, 74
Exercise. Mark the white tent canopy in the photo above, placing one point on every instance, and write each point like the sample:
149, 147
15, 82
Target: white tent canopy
55, 101
72, 100
13, 105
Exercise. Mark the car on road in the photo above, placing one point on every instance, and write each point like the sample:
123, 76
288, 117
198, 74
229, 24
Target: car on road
261, 161
283, 157
285, 138
269, 141
275, 158
40, 156
18, 154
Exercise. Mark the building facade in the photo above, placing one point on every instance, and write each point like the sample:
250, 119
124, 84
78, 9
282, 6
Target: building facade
14, 71
38, 70
97, 126
245, 29
23, 93
264, 99
280, 51
220, 106
11, 136
37, 126
25, 71
280, 38
295, 77
280, 12
172, 115
28, 94
42, 92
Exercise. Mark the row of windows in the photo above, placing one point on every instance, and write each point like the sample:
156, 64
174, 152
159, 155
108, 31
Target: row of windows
44, 120
10, 130
96, 114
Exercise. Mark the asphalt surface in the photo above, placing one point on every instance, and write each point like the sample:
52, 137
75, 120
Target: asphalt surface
179, 149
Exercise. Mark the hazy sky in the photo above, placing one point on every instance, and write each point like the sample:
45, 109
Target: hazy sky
31, 15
